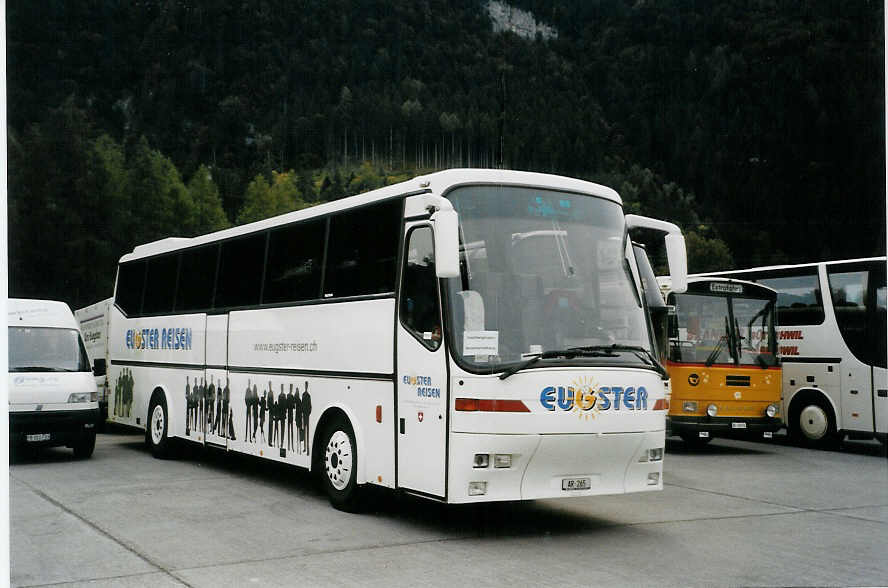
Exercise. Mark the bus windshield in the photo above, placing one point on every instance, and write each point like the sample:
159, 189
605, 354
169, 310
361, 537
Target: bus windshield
45, 349
754, 321
721, 329
541, 271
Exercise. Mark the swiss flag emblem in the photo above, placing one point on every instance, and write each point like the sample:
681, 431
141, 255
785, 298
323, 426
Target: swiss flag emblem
419, 415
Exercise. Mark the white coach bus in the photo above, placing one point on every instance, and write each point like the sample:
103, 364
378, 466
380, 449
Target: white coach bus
832, 341
466, 336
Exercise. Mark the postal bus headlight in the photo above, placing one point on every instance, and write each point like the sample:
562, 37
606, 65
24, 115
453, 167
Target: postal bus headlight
712, 410
689, 406
771, 411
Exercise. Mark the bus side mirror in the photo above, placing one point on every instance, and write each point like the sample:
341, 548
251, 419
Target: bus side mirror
676, 253
99, 367
677, 256
446, 224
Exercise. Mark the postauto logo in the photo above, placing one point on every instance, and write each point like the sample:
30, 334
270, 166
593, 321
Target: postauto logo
586, 398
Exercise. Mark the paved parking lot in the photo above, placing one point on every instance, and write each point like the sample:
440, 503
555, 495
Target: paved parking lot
732, 514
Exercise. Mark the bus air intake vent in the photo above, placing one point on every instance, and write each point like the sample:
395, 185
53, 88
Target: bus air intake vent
737, 381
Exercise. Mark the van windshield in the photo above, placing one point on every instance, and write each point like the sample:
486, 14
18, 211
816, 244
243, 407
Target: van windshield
45, 349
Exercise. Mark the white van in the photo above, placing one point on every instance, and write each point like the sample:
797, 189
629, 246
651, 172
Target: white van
52, 391
93, 320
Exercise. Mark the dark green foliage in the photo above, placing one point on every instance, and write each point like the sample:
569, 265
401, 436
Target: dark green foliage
762, 121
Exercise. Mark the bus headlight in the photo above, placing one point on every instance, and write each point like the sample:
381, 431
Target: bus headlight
771, 411
712, 410
689, 406
502, 460
481, 460
82, 397
655, 454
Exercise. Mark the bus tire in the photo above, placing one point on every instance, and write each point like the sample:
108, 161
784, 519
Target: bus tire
84, 448
156, 436
693, 441
812, 423
337, 457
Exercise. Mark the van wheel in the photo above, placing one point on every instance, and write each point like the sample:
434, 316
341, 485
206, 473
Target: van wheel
338, 465
812, 424
158, 423
83, 449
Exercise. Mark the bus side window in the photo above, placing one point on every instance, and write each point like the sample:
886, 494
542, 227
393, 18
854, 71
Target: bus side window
420, 312
799, 301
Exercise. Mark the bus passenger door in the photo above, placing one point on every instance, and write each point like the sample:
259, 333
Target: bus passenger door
421, 370
216, 408
852, 300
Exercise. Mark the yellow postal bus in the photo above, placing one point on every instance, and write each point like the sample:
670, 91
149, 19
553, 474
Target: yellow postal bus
722, 360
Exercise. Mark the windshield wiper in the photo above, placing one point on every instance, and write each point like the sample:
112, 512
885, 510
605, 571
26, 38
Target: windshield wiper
723, 339
640, 352
569, 353
38, 368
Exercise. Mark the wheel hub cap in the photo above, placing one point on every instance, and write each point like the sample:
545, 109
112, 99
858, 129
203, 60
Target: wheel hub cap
157, 424
338, 460
813, 422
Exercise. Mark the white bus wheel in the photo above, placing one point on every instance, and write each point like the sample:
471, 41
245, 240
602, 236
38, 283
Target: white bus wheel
813, 423
158, 424
339, 464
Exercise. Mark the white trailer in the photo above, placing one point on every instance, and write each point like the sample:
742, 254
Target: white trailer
93, 321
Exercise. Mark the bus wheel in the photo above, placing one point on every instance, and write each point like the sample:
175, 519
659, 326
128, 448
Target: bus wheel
813, 424
693, 441
84, 448
339, 465
158, 421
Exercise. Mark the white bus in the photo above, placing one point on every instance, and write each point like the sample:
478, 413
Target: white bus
93, 320
832, 341
466, 336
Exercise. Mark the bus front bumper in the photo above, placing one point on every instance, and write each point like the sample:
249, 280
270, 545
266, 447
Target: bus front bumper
725, 427
553, 466
55, 427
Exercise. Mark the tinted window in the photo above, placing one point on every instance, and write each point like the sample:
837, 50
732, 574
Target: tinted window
160, 285
849, 296
419, 290
197, 276
130, 280
240, 271
799, 300
295, 258
362, 251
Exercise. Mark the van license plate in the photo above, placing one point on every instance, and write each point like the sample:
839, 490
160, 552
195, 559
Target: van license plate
738, 425
38, 437
576, 483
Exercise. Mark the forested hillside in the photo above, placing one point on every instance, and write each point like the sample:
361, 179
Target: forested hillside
757, 126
